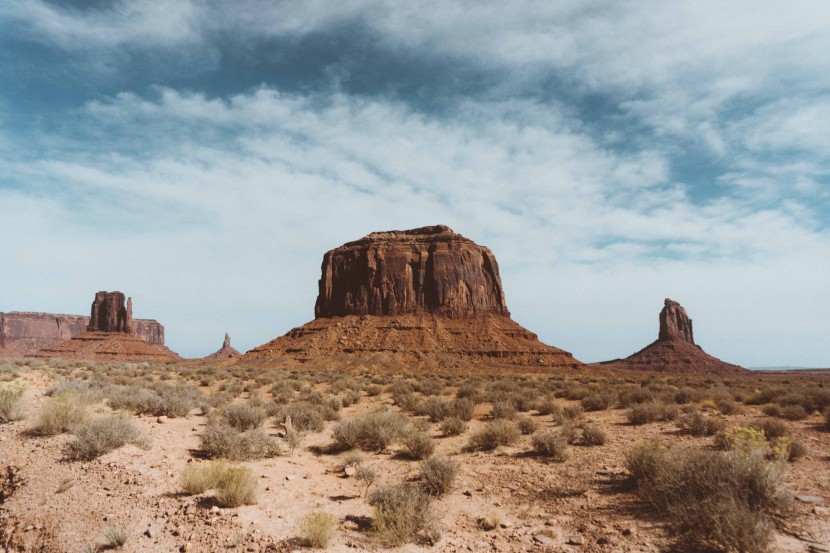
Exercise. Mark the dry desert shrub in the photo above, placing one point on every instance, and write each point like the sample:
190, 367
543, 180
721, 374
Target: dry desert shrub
11, 401
651, 411
438, 475
551, 444
305, 416
567, 414
220, 440
237, 487
199, 478
61, 413
418, 445
772, 428
713, 498
505, 409
495, 433
526, 425
162, 399
546, 406
317, 529
771, 410
593, 435
401, 514
245, 416
102, 435
698, 424
794, 412
598, 401
371, 432
115, 537
452, 426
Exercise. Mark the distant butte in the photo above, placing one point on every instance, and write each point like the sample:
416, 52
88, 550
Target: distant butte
110, 335
675, 349
226, 351
427, 296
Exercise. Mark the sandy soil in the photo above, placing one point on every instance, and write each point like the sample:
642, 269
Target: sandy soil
51, 504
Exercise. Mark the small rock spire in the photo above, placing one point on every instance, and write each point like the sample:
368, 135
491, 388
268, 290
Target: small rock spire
675, 324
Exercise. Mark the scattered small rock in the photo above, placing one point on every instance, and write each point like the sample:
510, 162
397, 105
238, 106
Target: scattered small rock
162, 419
813, 499
350, 470
576, 540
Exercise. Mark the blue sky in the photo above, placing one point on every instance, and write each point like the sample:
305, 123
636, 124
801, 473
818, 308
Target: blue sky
202, 156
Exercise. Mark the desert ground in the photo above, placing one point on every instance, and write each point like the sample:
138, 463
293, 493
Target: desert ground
522, 461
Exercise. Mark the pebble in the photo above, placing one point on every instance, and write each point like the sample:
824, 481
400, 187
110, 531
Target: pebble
186, 547
350, 471
161, 420
809, 499
543, 540
819, 548
576, 540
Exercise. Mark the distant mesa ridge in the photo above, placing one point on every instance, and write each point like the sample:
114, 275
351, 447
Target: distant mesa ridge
110, 334
426, 295
675, 349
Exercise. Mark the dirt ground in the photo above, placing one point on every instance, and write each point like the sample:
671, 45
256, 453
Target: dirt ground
51, 504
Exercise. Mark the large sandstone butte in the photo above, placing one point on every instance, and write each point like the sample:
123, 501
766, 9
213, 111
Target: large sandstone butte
110, 334
675, 349
24, 334
426, 295
226, 351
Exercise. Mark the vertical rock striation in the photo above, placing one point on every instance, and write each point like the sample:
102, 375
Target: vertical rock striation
109, 314
675, 324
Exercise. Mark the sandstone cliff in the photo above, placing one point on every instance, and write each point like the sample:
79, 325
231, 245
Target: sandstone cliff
420, 297
675, 349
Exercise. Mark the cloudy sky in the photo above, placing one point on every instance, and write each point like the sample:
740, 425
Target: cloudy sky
202, 155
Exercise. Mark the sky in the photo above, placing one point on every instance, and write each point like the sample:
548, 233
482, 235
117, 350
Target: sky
201, 156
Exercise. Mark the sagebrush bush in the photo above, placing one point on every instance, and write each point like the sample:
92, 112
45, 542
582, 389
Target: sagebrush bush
651, 411
494, 434
418, 445
593, 435
772, 428
371, 432
551, 444
711, 497
452, 426
60, 413
237, 487
244, 416
102, 435
400, 514
504, 410
598, 401
220, 440
199, 478
794, 412
317, 529
305, 416
698, 424
438, 475
11, 401
526, 425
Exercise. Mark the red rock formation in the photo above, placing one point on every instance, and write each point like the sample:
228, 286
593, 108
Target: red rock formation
426, 296
28, 333
675, 349
392, 273
109, 313
109, 335
226, 351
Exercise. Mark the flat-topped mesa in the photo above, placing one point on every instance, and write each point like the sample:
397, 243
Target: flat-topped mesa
675, 324
109, 314
428, 269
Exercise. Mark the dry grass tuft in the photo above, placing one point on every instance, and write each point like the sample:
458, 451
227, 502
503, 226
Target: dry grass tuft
102, 435
317, 529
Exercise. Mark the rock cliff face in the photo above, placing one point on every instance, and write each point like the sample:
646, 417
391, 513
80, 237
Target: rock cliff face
428, 269
27, 333
426, 297
226, 351
675, 349
109, 314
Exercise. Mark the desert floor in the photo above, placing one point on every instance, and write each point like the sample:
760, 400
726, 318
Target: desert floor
51, 503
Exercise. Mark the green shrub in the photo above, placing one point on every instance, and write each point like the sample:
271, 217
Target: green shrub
371, 432
401, 513
220, 440
712, 498
11, 401
102, 435
438, 475
452, 426
60, 413
494, 434
317, 529
741, 439
551, 444
418, 445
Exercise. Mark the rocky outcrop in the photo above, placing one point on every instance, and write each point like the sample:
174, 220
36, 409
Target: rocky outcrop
110, 335
675, 349
226, 351
428, 269
426, 297
109, 314
27, 333
675, 324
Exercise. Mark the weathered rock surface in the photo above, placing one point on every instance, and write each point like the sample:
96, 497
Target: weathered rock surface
422, 297
675, 349
27, 333
397, 272
109, 335
226, 351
